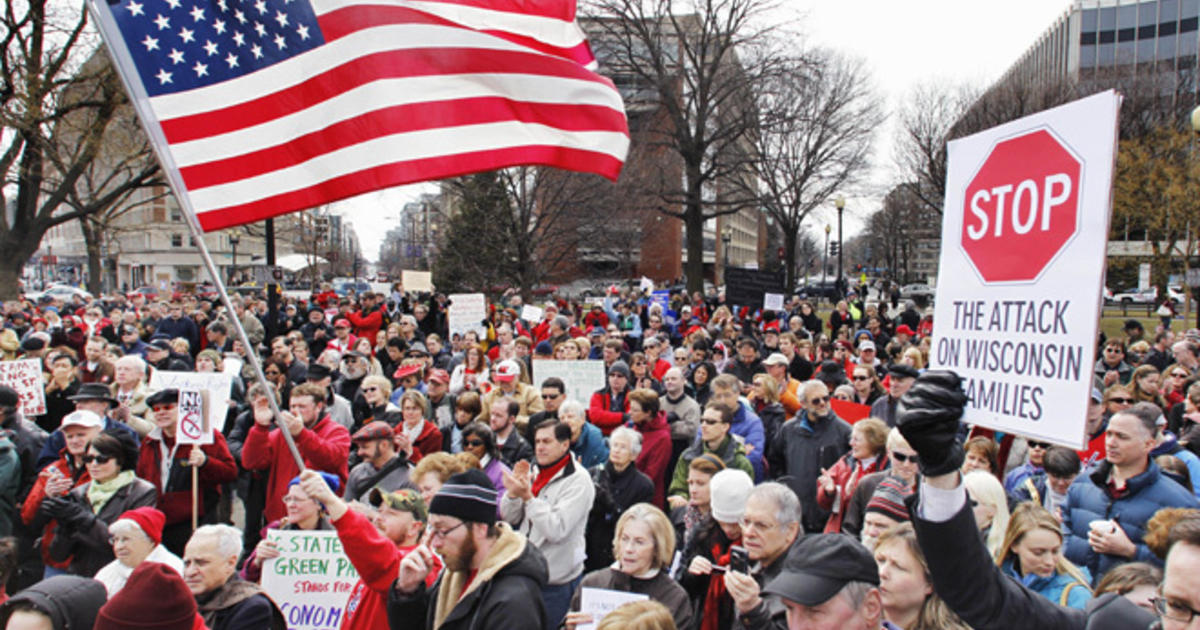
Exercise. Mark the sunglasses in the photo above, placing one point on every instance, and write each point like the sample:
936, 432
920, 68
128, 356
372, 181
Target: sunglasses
1179, 375
550, 396
473, 443
1125, 401
902, 458
1036, 444
99, 459
858, 377
818, 400
370, 389
162, 407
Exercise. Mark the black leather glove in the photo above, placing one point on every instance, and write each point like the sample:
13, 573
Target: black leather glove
928, 418
73, 514
53, 507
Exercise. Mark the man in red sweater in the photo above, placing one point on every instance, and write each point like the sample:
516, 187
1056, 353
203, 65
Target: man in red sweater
323, 444
375, 545
369, 318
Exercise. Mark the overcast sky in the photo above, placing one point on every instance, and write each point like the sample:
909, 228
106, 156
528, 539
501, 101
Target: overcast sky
904, 44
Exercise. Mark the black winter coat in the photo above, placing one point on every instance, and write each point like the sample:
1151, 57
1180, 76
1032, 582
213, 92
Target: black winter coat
86, 541
799, 451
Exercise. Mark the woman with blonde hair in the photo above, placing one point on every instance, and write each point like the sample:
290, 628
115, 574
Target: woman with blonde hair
990, 505
643, 546
905, 586
912, 357
644, 615
1032, 554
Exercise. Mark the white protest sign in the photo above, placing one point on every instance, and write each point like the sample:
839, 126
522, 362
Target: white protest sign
310, 580
598, 602
193, 427
417, 281
582, 378
532, 314
465, 313
772, 301
1023, 243
645, 285
216, 385
25, 376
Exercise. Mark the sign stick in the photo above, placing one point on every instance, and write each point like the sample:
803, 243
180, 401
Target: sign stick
195, 495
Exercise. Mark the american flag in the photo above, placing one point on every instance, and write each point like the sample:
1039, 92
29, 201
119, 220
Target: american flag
264, 107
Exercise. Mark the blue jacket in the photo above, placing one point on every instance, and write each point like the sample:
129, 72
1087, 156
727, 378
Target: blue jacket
1052, 587
749, 426
1017, 475
1170, 446
183, 327
590, 449
1088, 500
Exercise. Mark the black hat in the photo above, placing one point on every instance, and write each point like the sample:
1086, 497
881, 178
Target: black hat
903, 370
1132, 324
819, 566
469, 496
168, 396
94, 391
33, 343
317, 371
161, 344
8, 396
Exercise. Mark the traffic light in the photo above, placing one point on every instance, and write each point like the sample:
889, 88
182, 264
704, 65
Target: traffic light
833, 248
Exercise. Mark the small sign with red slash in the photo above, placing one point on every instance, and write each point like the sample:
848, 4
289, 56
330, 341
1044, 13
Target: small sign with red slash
193, 427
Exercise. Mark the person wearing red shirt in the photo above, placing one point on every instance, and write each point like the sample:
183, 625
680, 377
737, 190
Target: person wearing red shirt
369, 318
60, 477
323, 444
609, 407
651, 421
167, 464
375, 545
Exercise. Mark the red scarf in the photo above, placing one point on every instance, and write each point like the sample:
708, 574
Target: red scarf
546, 474
716, 588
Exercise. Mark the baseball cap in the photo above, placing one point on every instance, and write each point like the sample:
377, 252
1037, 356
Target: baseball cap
507, 371
82, 418
440, 375
776, 358
404, 499
819, 566
866, 344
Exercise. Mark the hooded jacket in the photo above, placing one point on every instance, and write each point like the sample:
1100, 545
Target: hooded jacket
69, 600
656, 453
506, 592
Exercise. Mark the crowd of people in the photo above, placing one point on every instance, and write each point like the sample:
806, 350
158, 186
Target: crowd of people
738, 468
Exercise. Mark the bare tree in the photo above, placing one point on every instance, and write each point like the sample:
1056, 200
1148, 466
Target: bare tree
924, 123
55, 111
818, 123
696, 64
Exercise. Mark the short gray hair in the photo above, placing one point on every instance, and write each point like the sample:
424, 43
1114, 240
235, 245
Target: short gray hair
787, 504
635, 439
135, 361
228, 537
1146, 413
572, 407
855, 592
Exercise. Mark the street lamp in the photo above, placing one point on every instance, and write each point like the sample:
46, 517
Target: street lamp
726, 237
233, 243
840, 203
825, 254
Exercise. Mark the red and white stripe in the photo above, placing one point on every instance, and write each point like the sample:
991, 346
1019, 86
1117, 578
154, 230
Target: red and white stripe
401, 92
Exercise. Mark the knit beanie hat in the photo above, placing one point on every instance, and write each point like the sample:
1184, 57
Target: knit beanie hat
154, 598
888, 499
619, 367
469, 496
728, 492
150, 520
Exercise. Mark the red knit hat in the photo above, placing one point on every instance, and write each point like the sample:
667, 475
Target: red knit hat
149, 519
154, 598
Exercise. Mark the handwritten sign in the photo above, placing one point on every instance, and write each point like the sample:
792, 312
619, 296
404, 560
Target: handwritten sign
532, 314
193, 426
310, 580
466, 312
25, 376
417, 281
582, 378
216, 386
772, 301
600, 601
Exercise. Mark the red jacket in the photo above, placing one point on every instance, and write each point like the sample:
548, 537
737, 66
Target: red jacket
377, 561
33, 501
600, 411
660, 368
324, 446
846, 474
367, 325
656, 453
175, 501
430, 440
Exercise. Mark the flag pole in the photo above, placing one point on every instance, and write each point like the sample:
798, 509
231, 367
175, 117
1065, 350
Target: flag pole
139, 100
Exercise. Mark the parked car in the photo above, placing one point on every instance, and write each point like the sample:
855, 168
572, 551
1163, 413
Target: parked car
916, 291
150, 293
818, 289
1136, 296
61, 292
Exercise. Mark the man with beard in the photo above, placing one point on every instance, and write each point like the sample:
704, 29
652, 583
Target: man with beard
493, 578
354, 370
281, 348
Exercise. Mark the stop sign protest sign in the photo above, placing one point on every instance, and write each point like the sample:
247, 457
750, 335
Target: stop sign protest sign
1021, 207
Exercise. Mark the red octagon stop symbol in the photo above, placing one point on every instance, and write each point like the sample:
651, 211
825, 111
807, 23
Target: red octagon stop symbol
1022, 207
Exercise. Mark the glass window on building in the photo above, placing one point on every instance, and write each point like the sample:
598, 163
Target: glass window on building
1108, 18
1107, 55
1145, 50
1166, 47
1127, 16
176, 240
1089, 20
1189, 9
1168, 11
1187, 43
1147, 14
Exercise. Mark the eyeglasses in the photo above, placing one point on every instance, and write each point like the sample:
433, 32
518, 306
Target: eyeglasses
818, 400
113, 540
902, 458
861, 377
758, 526
1035, 444
1123, 401
1113, 349
1179, 375
99, 459
442, 533
1175, 611
473, 443
369, 389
